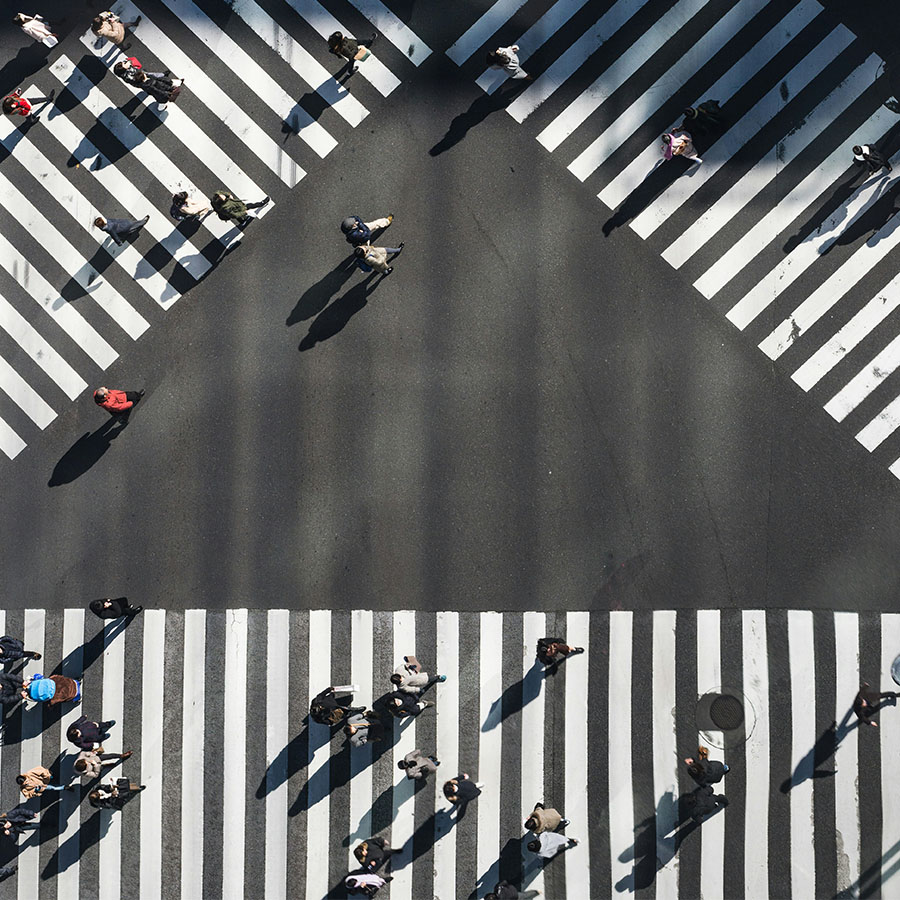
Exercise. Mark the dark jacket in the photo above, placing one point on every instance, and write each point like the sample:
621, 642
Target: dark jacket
229, 209
466, 790
17, 817
13, 649
711, 771
372, 853
11, 687
116, 611
408, 707
117, 229
89, 733
703, 802
505, 891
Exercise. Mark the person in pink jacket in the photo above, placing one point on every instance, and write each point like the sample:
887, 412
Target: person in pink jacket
116, 403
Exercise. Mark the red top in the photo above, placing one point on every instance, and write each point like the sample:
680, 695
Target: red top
115, 401
21, 107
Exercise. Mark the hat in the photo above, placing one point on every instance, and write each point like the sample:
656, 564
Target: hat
41, 688
348, 224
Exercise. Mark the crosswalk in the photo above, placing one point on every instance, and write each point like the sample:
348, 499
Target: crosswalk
771, 228
262, 107
246, 798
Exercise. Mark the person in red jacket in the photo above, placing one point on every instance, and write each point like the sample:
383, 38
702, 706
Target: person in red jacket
116, 403
15, 104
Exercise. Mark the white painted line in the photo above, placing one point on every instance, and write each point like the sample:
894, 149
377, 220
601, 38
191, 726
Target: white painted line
278, 633
373, 70
318, 820
752, 183
665, 751
624, 66
742, 132
490, 758
578, 859
846, 796
496, 16
25, 396
254, 76
803, 736
755, 661
10, 443
894, 469
783, 214
193, 736
152, 731
447, 708
534, 627
618, 713
709, 678
533, 39
864, 382
395, 30
361, 799
881, 427
755, 59
889, 726
575, 56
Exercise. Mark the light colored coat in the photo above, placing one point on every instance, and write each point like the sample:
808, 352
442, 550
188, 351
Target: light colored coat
35, 27
547, 820
112, 28
421, 766
376, 257
35, 781
412, 682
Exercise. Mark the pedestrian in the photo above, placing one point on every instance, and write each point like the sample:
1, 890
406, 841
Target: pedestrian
702, 803
543, 819
326, 709
705, 770
358, 232
91, 763
369, 258
36, 27
702, 118
679, 143
373, 853
108, 25
364, 728
159, 85
869, 155
230, 209
119, 229
503, 890
507, 58
350, 49
17, 821
418, 766
402, 705
410, 678
35, 781
461, 789
366, 884
10, 689
549, 843
54, 689
84, 733
551, 650
15, 104
114, 608
115, 794
117, 403
12, 649
867, 702
187, 207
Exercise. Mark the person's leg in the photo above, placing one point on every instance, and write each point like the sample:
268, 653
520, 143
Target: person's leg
134, 397
54, 787
519, 74
262, 202
133, 24
135, 227
393, 251
379, 223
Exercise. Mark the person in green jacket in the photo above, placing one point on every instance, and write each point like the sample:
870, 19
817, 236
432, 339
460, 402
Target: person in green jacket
230, 209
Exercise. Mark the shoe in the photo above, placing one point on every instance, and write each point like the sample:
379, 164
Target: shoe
441, 678
578, 650
167, 73
265, 201
479, 785
539, 806
137, 21
564, 823
146, 219
143, 787
389, 270
426, 702
136, 609
52, 94
390, 218
110, 723
127, 754
36, 655
70, 787
354, 69
573, 842
141, 394
373, 38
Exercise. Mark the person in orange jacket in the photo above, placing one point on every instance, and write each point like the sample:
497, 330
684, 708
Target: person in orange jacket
116, 403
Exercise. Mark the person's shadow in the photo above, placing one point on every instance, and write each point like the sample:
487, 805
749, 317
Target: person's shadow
823, 749
90, 833
290, 759
86, 451
507, 867
316, 297
515, 698
333, 318
663, 173
480, 109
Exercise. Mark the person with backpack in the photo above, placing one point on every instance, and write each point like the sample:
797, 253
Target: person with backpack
54, 689
550, 650
358, 232
705, 770
230, 209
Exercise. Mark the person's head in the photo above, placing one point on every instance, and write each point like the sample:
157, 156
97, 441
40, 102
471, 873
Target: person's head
20, 19
180, 198
102, 393
99, 222
667, 138
359, 253
491, 896
73, 734
349, 224
396, 678
20, 779
335, 39
534, 846
449, 788
351, 882
349, 730
695, 768
80, 766
493, 58
96, 24
403, 764
531, 823
10, 104
94, 796
121, 67
219, 197
857, 150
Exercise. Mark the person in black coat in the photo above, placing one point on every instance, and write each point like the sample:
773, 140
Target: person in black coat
11, 687
84, 733
17, 821
705, 770
114, 795
461, 790
871, 157
403, 705
326, 709
373, 853
503, 890
114, 608
702, 803
868, 702
12, 649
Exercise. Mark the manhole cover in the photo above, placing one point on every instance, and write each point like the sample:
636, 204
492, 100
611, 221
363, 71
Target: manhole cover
727, 712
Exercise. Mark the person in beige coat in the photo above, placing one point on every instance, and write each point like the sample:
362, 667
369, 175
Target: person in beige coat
543, 819
370, 258
91, 763
108, 25
36, 27
184, 206
37, 780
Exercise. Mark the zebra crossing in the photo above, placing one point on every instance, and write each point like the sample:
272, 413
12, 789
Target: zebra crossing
263, 107
770, 228
247, 798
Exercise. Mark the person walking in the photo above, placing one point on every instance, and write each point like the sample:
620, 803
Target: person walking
403, 705
36, 27
115, 794
503, 890
543, 819
548, 844
365, 884
326, 709
186, 207
551, 650
12, 649
702, 118
507, 58
364, 728
54, 689
461, 790
679, 143
114, 608
705, 770
159, 85
119, 229
350, 49
373, 853
370, 258
869, 155
117, 403
15, 104
358, 232
418, 766
108, 25
701, 803
868, 701
11, 687
35, 781
17, 821
230, 209
84, 733
91, 763
410, 678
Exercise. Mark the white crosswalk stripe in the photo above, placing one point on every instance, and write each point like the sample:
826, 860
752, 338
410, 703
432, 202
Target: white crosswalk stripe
771, 224
103, 148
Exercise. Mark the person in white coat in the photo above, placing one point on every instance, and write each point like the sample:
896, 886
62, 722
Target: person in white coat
38, 28
507, 58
